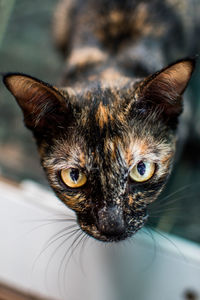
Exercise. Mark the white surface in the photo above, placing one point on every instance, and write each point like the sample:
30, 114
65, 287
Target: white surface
142, 269
26, 224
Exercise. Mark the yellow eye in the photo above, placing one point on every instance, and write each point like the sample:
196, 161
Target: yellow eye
73, 178
143, 171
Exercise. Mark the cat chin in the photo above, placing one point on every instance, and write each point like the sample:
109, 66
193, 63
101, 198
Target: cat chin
93, 231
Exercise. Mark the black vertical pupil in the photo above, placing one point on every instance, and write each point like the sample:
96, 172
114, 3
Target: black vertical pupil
141, 168
74, 174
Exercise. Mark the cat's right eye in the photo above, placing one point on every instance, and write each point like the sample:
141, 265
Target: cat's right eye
143, 171
73, 177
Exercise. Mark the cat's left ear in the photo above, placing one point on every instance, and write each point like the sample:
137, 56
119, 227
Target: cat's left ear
42, 105
164, 88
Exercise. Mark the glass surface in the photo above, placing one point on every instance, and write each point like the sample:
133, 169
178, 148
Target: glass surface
26, 46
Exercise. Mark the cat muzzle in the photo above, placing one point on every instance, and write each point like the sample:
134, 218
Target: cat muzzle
110, 221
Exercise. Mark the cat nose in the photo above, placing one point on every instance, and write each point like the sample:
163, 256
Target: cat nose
111, 221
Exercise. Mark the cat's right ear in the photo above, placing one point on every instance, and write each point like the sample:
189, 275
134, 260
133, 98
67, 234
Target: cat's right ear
43, 106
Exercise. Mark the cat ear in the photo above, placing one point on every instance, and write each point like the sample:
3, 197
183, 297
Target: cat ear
164, 88
42, 104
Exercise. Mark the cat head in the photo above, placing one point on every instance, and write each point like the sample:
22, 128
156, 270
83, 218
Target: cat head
107, 150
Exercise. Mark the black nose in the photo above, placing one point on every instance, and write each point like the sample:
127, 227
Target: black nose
111, 221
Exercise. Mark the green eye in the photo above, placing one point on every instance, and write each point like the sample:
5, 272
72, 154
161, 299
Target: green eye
73, 177
143, 171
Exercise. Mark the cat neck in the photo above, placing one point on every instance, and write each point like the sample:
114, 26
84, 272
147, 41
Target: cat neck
89, 64
112, 39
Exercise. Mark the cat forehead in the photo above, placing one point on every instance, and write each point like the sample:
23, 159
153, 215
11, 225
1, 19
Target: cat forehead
102, 108
103, 92
124, 151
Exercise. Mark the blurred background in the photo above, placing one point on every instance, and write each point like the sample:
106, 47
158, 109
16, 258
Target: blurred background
26, 45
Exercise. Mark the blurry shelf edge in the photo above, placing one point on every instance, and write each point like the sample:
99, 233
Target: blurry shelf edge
34, 194
8, 292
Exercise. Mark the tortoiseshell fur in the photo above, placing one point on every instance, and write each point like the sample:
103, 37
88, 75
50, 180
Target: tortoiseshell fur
111, 117
130, 37
105, 154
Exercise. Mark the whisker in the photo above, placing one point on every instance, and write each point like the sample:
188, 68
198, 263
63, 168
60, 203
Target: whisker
168, 210
45, 247
148, 231
57, 216
63, 259
75, 247
179, 217
72, 251
168, 203
72, 232
172, 243
179, 190
60, 231
50, 219
46, 224
160, 216
172, 201
79, 240
86, 237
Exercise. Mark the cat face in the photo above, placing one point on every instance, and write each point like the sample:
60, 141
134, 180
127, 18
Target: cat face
108, 176
108, 150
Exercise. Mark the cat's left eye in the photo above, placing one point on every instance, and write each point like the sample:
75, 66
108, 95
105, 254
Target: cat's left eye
143, 171
73, 177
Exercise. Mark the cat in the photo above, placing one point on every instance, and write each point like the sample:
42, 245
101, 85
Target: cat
107, 138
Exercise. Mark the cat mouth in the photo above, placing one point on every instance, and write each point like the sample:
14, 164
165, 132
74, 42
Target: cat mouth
94, 232
114, 235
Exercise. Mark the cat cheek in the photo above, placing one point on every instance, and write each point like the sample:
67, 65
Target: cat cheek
130, 200
134, 199
165, 167
75, 202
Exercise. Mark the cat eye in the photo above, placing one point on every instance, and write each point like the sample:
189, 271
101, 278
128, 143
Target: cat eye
73, 177
143, 171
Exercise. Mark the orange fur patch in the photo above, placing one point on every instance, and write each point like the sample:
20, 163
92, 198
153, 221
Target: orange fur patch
129, 156
73, 202
82, 159
130, 200
165, 159
102, 115
110, 74
83, 56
